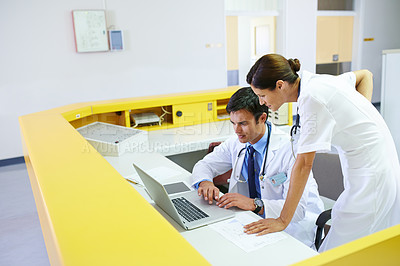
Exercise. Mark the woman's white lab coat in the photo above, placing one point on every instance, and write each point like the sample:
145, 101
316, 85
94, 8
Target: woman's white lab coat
333, 113
279, 160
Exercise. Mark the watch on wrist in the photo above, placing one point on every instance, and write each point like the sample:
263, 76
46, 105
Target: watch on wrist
259, 205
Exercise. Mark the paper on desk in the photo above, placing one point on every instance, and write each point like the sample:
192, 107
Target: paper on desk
163, 173
232, 229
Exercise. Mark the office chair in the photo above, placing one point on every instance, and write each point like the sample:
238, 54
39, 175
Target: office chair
221, 181
324, 217
328, 174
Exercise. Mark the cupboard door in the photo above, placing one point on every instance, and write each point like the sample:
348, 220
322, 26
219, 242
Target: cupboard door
334, 39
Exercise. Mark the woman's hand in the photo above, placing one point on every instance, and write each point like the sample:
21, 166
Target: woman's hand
265, 226
364, 83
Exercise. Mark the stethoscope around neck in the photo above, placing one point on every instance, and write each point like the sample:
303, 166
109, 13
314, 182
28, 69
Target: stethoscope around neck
296, 126
262, 174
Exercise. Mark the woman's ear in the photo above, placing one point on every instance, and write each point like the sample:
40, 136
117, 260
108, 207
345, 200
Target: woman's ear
279, 84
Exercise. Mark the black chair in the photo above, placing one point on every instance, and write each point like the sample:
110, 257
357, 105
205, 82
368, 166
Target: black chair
322, 227
328, 174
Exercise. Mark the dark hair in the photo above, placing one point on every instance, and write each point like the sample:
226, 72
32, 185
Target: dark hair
246, 99
270, 68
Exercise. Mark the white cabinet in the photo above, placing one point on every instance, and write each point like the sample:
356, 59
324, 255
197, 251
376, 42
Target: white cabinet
390, 93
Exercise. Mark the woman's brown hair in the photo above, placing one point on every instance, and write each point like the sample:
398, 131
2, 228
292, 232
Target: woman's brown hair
270, 68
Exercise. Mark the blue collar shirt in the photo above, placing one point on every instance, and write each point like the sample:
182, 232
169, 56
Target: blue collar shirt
260, 149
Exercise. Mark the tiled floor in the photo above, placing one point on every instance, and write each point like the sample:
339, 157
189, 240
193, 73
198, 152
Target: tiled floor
21, 239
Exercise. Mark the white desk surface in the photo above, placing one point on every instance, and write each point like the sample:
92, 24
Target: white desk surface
214, 247
198, 137
188, 138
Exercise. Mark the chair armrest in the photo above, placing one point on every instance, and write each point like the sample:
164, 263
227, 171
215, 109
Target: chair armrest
323, 218
321, 221
213, 145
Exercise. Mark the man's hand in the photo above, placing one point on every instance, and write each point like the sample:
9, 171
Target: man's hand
235, 199
208, 191
265, 226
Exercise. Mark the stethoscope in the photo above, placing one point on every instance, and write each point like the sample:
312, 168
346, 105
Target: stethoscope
262, 175
296, 126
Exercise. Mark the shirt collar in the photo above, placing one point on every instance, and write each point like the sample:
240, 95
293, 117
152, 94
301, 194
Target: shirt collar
305, 78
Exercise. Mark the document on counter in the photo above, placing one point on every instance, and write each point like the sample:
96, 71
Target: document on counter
232, 229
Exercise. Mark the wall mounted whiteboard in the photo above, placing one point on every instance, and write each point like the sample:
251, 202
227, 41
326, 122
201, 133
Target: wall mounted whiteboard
90, 30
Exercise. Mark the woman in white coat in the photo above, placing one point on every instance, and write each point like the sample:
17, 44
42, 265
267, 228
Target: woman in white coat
244, 109
334, 111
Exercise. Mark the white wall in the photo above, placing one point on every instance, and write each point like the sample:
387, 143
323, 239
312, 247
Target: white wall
379, 20
165, 52
300, 27
244, 47
296, 25
297, 33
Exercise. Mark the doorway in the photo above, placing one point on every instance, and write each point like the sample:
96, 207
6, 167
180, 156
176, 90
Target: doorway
248, 38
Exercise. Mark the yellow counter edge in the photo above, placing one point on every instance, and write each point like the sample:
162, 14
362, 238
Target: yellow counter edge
89, 214
381, 248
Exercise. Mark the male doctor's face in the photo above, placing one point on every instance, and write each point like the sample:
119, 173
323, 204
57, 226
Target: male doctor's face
245, 126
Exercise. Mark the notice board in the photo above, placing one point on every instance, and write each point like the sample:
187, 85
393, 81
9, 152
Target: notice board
90, 30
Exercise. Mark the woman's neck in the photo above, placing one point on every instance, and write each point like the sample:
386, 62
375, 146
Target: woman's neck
294, 91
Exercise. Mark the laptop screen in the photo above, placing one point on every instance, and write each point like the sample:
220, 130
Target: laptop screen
176, 188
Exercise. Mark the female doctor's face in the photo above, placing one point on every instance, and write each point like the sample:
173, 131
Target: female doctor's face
271, 98
245, 126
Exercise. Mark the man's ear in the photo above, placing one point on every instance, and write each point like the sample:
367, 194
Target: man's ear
263, 118
279, 84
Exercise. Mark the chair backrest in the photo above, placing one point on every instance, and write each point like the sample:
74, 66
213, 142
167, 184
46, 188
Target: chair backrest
220, 181
328, 174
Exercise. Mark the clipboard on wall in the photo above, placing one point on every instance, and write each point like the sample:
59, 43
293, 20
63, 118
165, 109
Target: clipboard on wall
90, 30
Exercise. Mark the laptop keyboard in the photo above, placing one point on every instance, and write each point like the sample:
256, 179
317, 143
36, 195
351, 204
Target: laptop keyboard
187, 210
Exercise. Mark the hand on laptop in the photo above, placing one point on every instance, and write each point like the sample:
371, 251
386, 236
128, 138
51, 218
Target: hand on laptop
235, 199
208, 191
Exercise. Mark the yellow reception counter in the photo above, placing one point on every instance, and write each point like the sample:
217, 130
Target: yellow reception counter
90, 215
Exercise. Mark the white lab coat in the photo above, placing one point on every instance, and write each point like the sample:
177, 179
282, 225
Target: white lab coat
333, 113
279, 159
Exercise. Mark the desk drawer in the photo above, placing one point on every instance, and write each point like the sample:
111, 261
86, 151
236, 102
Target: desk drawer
193, 113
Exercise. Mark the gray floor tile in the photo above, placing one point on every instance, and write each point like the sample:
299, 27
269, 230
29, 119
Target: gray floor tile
21, 239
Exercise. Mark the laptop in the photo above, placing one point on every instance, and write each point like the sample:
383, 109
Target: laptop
187, 208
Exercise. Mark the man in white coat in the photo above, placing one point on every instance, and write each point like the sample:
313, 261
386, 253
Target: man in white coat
273, 162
